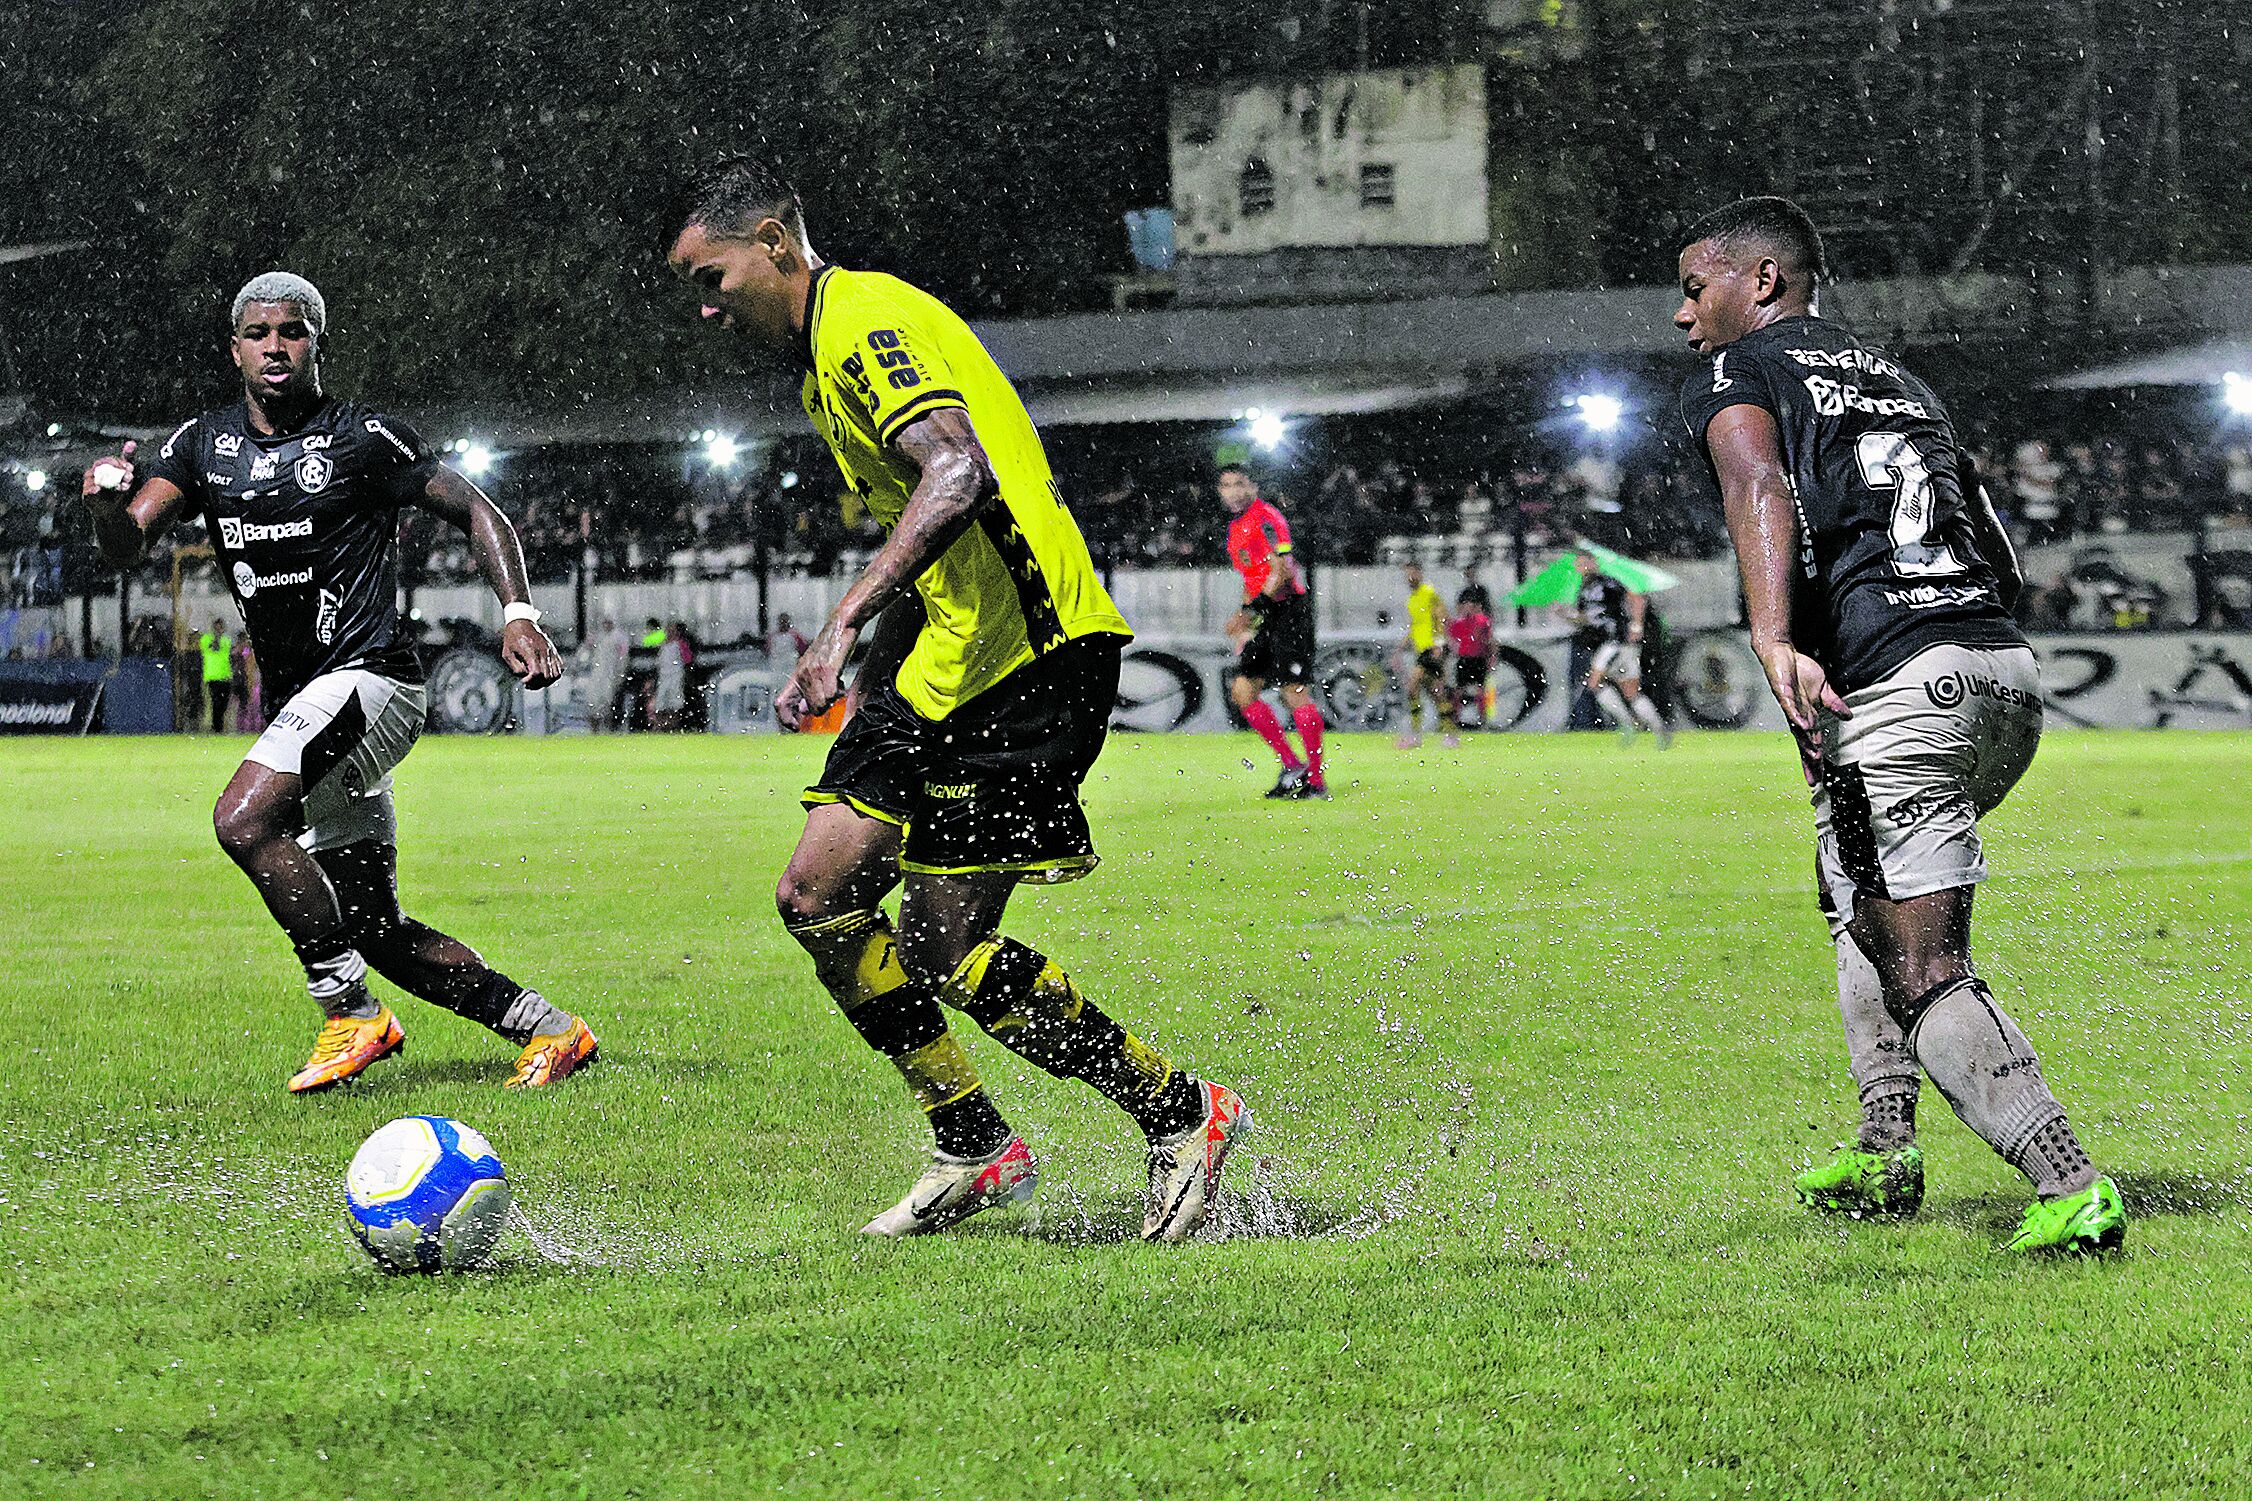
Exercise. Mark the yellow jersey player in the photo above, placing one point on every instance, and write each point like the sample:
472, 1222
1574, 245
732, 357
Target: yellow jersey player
983, 703
1427, 659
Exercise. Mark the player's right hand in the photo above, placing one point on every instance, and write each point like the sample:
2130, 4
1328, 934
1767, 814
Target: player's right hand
90, 483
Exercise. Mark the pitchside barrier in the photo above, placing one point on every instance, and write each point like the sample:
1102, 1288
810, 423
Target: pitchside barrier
71, 697
1708, 678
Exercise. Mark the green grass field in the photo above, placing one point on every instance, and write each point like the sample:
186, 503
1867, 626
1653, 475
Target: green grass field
1535, 1033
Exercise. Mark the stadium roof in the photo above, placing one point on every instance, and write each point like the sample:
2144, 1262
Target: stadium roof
2184, 365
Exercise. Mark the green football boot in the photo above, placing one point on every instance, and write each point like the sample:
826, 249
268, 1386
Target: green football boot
2093, 1219
1860, 1182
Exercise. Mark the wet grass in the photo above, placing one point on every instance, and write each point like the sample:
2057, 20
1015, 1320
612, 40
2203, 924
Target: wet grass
1535, 1033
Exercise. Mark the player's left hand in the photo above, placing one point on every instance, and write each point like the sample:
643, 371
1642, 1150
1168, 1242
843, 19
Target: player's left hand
817, 681
529, 654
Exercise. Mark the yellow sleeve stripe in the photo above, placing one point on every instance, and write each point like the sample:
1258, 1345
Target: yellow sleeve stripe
1281, 549
921, 405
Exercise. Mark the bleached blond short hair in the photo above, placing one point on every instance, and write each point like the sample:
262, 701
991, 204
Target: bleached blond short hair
282, 286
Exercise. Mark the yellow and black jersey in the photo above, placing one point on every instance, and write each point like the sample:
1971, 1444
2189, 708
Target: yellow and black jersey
1427, 614
1019, 582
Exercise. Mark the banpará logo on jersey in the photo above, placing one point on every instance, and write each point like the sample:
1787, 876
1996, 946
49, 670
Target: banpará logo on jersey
228, 445
265, 465
249, 581
313, 472
1951, 688
1835, 398
237, 533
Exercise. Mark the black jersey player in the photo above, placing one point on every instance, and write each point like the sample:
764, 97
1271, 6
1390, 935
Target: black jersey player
1877, 581
1608, 618
301, 493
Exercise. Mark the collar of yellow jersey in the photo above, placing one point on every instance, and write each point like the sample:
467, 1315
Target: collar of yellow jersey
813, 309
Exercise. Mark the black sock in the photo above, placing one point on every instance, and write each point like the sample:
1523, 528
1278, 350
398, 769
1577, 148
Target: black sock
1031, 1007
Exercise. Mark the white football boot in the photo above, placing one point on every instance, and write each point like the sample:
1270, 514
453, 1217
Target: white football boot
1184, 1169
954, 1188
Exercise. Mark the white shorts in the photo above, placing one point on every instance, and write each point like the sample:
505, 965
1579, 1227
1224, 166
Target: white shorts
342, 733
1616, 660
1927, 753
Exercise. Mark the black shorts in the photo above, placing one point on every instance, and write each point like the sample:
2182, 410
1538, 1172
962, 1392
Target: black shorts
1281, 648
994, 785
1433, 663
1472, 672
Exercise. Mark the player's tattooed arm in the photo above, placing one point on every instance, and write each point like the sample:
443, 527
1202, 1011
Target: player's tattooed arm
1755, 493
957, 482
124, 529
500, 557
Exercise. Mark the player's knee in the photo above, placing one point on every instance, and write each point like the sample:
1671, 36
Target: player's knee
242, 828
1243, 691
1922, 989
931, 955
801, 902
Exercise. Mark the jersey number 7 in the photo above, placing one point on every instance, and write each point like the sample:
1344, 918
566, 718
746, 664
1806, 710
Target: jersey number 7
1890, 462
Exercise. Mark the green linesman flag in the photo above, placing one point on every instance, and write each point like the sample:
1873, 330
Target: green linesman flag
1559, 582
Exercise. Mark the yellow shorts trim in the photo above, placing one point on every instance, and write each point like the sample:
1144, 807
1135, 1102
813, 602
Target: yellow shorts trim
813, 799
1047, 872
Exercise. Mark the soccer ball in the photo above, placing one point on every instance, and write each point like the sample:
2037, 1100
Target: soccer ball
426, 1194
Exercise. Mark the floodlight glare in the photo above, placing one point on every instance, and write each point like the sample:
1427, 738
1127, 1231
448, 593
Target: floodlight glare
476, 458
720, 449
35, 480
1599, 413
2236, 393
1268, 429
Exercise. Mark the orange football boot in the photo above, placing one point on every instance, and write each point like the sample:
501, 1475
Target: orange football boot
553, 1058
347, 1046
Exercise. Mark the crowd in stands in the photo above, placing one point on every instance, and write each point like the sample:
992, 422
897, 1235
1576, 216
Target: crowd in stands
1359, 490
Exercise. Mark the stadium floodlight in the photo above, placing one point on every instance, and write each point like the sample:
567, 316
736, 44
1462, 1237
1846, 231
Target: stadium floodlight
1599, 413
476, 459
720, 450
2236, 392
1267, 429
35, 480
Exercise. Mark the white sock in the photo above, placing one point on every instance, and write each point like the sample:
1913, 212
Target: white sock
339, 986
531, 1016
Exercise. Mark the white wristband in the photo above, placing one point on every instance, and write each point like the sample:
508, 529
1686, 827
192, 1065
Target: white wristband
511, 613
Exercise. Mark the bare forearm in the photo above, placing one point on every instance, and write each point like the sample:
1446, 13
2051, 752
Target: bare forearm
953, 489
1764, 528
500, 552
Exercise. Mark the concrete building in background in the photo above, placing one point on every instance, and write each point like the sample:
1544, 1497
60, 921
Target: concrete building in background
1340, 187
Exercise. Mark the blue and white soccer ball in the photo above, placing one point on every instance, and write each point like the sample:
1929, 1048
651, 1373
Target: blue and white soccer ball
426, 1194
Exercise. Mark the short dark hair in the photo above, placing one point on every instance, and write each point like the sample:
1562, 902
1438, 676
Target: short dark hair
732, 195
1775, 224
1231, 469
